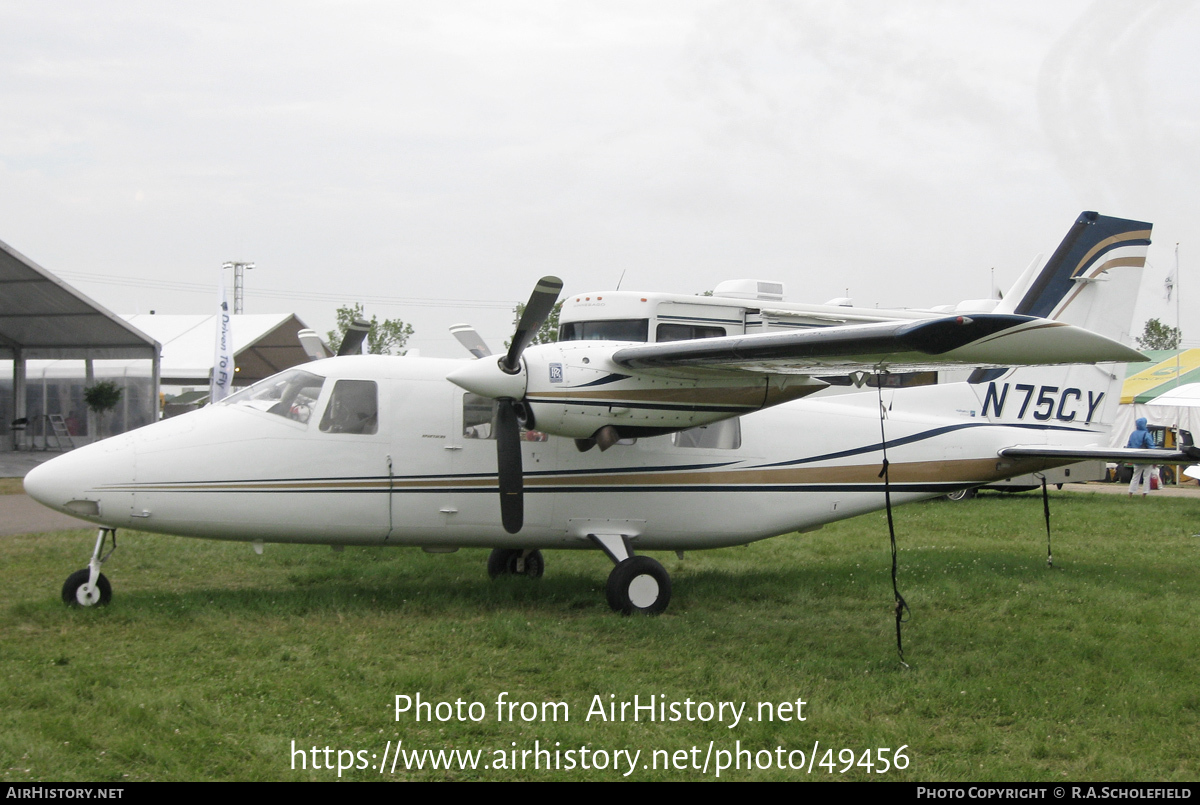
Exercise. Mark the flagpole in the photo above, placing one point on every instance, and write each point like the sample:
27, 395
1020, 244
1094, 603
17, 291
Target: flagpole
1178, 317
1178, 351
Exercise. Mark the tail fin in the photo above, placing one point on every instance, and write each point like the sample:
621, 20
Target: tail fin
1092, 278
1091, 281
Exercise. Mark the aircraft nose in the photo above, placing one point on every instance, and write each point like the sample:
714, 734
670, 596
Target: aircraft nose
74, 483
45, 486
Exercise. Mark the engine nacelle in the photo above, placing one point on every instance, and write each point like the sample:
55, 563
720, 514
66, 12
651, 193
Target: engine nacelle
573, 389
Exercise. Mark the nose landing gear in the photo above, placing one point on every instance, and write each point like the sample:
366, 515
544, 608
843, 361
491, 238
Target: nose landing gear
88, 587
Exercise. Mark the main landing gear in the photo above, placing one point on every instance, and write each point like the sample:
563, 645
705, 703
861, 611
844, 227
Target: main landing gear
636, 584
515, 562
88, 587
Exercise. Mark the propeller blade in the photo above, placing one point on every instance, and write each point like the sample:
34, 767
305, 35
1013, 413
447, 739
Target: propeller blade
470, 339
508, 459
312, 344
352, 342
541, 303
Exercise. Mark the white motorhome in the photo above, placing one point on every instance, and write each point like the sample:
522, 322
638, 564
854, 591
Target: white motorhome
736, 307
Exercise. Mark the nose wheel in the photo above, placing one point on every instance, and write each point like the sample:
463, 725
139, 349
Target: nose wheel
78, 592
88, 587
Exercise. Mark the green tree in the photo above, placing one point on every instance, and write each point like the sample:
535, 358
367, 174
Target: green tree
102, 397
386, 337
1157, 335
547, 333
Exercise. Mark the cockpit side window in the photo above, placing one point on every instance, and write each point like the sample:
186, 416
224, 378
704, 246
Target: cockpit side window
291, 395
353, 408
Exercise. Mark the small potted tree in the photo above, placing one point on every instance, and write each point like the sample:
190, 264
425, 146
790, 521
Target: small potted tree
102, 397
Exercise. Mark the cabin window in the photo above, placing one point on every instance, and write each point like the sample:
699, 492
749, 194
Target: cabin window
610, 330
479, 420
479, 414
291, 394
723, 435
686, 332
353, 408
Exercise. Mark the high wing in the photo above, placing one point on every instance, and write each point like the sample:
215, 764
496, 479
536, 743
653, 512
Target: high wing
982, 340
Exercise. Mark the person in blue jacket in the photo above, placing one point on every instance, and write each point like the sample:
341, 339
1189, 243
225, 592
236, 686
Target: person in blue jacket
1141, 439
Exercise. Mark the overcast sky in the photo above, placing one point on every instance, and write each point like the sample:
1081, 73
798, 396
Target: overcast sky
388, 151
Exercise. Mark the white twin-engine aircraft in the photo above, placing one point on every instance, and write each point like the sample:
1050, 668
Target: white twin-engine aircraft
702, 442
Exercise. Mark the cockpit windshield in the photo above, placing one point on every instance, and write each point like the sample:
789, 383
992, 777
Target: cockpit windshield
292, 394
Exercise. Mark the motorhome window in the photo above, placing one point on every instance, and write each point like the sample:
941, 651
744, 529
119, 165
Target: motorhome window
291, 394
723, 435
609, 330
686, 332
353, 408
479, 420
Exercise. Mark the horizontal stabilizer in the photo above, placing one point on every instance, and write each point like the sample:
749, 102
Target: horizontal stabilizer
1131, 455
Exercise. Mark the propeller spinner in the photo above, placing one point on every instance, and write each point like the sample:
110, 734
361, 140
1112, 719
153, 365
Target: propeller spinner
504, 381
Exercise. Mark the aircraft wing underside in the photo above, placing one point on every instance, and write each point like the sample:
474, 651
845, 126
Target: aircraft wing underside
984, 340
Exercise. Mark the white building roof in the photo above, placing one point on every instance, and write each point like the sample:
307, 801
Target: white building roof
263, 344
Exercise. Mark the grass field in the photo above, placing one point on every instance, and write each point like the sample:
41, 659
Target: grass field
211, 660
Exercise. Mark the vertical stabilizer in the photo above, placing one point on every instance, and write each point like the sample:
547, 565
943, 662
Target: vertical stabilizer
1091, 281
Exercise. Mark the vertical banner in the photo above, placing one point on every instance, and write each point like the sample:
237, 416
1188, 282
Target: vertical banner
222, 375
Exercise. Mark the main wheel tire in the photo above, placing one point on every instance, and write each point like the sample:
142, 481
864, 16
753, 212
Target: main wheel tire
505, 561
961, 494
535, 565
638, 584
499, 561
72, 591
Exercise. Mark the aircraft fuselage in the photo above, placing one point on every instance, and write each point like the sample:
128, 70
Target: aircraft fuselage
426, 478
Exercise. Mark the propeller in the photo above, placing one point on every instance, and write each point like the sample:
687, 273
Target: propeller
505, 382
541, 303
469, 338
508, 461
312, 344
356, 333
